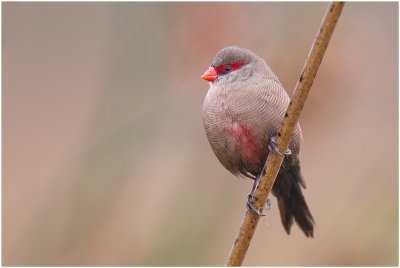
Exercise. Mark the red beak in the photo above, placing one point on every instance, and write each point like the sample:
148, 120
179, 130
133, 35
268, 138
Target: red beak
210, 74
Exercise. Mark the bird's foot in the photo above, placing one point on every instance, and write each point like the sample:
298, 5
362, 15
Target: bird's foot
250, 206
272, 146
252, 195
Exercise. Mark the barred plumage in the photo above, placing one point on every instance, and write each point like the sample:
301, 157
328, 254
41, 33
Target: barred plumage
242, 110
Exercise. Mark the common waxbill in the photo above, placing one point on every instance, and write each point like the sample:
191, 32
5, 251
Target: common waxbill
242, 111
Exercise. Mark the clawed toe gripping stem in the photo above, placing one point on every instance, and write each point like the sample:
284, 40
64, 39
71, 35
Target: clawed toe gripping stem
273, 147
251, 207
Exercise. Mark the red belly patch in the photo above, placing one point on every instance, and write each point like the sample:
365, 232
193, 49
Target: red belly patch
244, 140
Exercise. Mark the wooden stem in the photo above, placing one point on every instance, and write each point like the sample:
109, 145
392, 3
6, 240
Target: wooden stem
274, 160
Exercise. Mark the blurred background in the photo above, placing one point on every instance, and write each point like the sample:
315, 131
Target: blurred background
105, 160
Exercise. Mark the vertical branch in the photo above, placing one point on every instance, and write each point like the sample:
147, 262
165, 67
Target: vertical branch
292, 116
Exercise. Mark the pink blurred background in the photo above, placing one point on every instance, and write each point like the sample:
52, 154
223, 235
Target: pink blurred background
105, 161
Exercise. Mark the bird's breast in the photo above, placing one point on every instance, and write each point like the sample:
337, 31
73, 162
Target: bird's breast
235, 139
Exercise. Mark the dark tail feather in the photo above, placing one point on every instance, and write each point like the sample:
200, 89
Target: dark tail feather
291, 202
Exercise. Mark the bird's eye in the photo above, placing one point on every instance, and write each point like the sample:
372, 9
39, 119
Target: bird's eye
227, 68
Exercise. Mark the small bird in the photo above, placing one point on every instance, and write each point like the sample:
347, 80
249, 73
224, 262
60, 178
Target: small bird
242, 112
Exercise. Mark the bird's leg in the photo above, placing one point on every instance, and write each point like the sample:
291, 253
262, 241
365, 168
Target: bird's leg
251, 195
249, 203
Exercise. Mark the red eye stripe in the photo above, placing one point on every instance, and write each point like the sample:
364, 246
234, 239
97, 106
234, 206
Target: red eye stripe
234, 66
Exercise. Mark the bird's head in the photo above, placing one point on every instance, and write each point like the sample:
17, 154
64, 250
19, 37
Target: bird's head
233, 64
